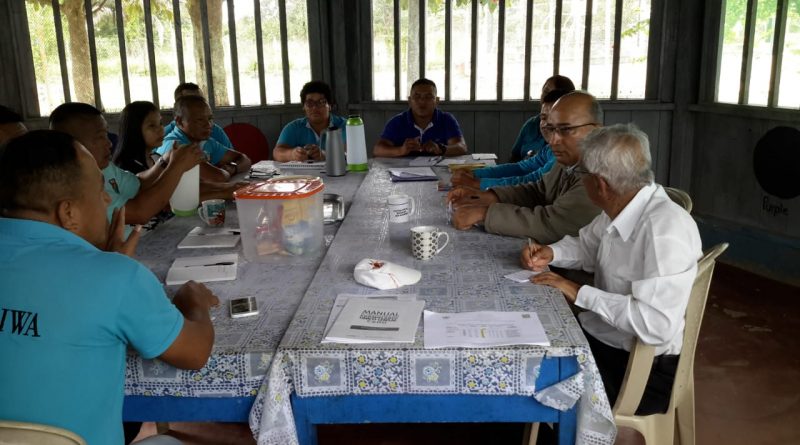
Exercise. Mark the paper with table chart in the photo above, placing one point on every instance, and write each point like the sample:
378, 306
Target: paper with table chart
412, 174
483, 329
210, 237
203, 269
376, 320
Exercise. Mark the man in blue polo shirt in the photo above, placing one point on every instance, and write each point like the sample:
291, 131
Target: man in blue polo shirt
423, 129
69, 305
193, 124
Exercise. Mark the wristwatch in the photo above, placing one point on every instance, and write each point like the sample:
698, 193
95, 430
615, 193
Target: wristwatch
235, 167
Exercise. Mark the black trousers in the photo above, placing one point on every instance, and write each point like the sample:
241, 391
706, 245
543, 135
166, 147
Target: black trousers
612, 363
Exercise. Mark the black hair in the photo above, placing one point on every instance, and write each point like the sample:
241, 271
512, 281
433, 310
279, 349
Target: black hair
37, 170
557, 82
71, 110
184, 102
185, 86
132, 151
554, 95
319, 87
9, 116
423, 81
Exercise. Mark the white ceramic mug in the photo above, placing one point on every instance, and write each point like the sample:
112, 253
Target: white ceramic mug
401, 207
425, 241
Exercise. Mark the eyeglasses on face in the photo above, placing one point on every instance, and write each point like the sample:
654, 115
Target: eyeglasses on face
422, 97
309, 103
564, 131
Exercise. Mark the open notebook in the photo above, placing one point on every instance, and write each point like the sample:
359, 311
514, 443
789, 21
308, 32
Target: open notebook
203, 269
412, 174
210, 237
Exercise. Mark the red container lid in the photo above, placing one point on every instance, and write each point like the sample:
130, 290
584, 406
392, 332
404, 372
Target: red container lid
281, 188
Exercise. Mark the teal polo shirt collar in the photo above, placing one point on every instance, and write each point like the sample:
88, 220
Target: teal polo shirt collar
32, 229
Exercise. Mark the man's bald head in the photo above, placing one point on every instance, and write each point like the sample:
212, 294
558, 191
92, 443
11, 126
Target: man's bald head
572, 117
583, 103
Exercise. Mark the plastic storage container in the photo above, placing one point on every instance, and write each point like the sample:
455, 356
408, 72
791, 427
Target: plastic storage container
280, 216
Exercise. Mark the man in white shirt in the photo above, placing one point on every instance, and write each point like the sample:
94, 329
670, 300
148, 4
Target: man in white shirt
643, 250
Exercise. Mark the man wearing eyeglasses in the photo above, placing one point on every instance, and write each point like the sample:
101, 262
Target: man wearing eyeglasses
552, 207
423, 129
300, 139
643, 250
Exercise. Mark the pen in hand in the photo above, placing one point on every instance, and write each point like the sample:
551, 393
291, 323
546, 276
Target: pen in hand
530, 251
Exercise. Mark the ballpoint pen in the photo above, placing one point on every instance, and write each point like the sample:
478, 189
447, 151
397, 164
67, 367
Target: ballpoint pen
530, 249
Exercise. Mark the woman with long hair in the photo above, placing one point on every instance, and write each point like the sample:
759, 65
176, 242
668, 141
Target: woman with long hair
140, 131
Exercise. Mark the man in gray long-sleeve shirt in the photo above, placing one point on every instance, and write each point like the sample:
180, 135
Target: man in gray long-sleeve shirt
556, 205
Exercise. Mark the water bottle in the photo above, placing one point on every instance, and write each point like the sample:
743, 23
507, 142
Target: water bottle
334, 152
186, 197
356, 145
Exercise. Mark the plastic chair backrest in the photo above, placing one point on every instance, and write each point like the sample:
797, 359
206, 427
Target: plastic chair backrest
694, 317
249, 140
659, 428
679, 197
16, 433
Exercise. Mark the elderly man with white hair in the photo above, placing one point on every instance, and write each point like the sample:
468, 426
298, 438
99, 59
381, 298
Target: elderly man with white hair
643, 249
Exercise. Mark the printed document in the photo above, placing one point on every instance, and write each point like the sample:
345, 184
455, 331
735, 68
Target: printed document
369, 320
342, 299
483, 329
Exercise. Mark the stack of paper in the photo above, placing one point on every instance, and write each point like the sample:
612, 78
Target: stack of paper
210, 237
412, 174
483, 329
203, 269
373, 320
294, 165
263, 170
484, 156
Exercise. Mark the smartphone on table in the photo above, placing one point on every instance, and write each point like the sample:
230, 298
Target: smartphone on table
243, 307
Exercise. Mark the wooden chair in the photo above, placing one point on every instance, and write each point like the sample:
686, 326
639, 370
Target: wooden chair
36, 434
249, 140
676, 426
679, 197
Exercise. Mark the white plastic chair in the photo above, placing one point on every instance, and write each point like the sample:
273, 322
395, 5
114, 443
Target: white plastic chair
680, 197
676, 426
24, 433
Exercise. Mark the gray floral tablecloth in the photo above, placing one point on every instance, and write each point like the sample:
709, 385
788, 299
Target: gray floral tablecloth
468, 275
243, 347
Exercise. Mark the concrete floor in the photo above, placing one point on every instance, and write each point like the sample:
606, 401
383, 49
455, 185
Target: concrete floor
747, 379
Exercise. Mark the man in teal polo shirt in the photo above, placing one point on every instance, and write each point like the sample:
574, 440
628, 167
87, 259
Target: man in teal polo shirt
193, 124
69, 305
300, 139
192, 89
142, 196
